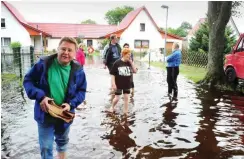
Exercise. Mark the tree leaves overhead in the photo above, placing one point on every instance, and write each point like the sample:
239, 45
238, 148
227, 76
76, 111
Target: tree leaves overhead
200, 43
88, 21
236, 6
116, 15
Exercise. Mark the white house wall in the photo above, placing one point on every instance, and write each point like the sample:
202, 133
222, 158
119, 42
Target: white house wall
95, 43
151, 33
52, 44
14, 29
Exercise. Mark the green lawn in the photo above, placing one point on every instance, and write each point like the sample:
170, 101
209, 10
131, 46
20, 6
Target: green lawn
193, 73
7, 78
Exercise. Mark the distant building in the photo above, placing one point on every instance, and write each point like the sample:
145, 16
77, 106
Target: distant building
138, 29
192, 32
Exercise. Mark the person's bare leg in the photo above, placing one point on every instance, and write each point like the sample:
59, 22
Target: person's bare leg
115, 101
126, 103
132, 92
61, 155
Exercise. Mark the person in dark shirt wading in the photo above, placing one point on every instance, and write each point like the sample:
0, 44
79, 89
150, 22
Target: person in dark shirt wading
121, 73
173, 63
112, 52
126, 45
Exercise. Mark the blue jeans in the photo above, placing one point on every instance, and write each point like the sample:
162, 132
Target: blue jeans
47, 132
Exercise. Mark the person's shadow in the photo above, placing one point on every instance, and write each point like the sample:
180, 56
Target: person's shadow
119, 135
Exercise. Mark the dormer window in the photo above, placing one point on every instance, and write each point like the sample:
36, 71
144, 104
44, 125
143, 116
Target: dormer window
3, 25
142, 26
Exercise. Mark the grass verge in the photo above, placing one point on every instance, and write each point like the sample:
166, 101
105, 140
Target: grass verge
193, 73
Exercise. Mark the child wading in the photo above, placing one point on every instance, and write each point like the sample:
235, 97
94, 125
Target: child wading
121, 72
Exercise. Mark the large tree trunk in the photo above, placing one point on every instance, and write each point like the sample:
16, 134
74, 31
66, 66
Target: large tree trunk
218, 16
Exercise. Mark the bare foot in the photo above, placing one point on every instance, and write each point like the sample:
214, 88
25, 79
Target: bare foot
111, 110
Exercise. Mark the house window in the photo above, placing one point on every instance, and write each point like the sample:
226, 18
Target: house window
3, 25
89, 42
5, 41
142, 27
141, 44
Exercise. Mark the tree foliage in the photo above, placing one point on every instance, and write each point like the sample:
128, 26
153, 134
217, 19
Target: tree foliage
181, 31
116, 15
15, 44
200, 43
88, 21
186, 25
236, 7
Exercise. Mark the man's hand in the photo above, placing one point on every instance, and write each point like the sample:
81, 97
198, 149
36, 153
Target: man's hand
66, 106
44, 104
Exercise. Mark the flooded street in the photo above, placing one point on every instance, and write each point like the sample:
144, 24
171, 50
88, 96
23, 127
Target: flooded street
201, 125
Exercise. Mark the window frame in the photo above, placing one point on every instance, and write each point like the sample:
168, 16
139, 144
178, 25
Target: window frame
240, 47
142, 46
142, 27
3, 27
3, 41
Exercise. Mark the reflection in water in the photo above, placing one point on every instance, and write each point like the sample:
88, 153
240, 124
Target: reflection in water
118, 136
208, 147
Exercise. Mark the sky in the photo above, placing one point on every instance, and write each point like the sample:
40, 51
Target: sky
75, 11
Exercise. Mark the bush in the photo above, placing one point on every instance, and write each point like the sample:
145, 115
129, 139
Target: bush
16, 44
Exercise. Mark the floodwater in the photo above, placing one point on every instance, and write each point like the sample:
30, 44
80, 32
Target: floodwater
201, 125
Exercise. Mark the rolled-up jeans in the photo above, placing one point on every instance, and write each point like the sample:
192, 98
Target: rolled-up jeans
47, 132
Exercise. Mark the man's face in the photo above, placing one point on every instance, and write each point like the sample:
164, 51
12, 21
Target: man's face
115, 40
127, 57
66, 52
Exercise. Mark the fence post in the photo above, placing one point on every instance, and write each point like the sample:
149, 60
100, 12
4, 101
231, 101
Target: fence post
32, 55
2, 55
149, 59
17, 54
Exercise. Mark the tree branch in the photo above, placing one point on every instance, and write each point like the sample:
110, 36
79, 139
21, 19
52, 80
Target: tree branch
224, 14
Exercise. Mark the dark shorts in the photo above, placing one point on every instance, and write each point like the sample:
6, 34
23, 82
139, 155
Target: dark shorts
119, 91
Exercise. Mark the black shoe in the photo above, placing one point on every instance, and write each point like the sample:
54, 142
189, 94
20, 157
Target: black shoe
175, 98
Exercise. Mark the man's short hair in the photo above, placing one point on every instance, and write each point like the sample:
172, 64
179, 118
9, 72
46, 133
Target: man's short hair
69, 40
113, 36
126, 44
177, 45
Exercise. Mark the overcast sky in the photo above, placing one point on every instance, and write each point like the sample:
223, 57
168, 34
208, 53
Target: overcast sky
75, 12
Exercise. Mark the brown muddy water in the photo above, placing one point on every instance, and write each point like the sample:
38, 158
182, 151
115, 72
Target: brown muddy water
201, 125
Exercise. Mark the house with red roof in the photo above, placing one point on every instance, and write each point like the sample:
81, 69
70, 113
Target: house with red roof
138, 29
192, 32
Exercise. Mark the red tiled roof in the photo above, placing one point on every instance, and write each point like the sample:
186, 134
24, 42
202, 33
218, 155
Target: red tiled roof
74, 30
20, 18
170, 36
196, 27
128, 19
